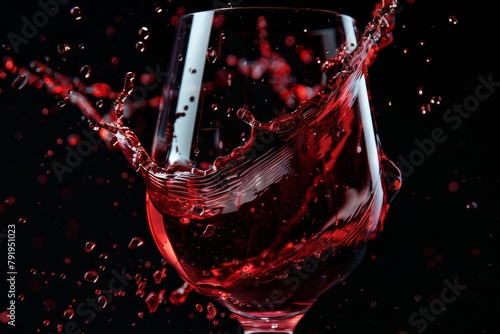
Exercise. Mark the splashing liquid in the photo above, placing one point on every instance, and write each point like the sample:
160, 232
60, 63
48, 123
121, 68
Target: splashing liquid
343, 73
256, 216
237, 233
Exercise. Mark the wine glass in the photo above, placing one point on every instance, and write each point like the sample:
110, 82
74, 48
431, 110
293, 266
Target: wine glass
266, 178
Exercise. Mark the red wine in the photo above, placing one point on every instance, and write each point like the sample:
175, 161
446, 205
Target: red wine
269, 220
271, 229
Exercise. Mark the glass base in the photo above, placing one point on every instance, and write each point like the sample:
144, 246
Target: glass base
263, 325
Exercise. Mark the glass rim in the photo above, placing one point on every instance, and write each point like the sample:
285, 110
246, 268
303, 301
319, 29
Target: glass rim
272, 8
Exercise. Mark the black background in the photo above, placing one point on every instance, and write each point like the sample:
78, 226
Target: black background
442, 225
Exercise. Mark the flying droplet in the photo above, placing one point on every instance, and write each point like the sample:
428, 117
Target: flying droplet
158, 9
159, 275
69, 313
144, 33
209, 231
76, 12
471, 205
20, 81
91, 276
85, 71
436, 100
453, 186
425, 108
102, 301
140, 46
89, 246
453, 19
63, 48
94, 125
99, 104
179, 296
154, 299
135, 242
22, 220
211, 310
140, 289
211, 55
247, 117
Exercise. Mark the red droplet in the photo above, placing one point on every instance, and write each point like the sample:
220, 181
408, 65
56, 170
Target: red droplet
73, 139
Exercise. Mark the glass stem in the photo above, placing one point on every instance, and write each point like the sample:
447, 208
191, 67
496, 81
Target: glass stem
272, 326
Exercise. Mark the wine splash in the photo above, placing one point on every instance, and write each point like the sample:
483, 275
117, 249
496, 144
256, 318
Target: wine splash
195, 195
341, 71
